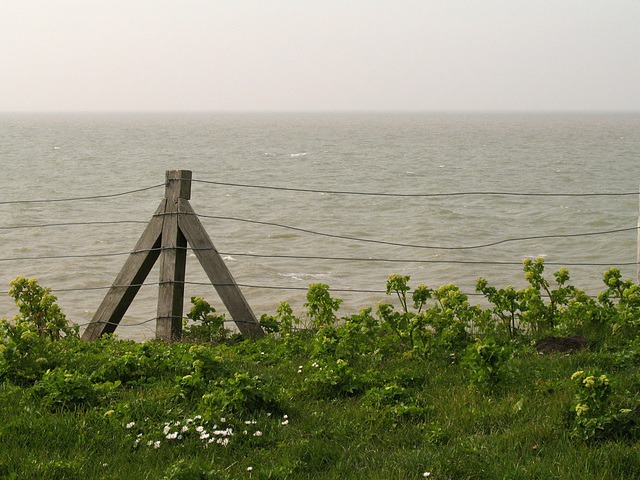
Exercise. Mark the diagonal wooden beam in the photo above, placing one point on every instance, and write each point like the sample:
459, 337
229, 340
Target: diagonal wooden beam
217, 271
127, 283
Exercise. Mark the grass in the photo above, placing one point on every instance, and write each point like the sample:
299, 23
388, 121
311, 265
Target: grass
390, 416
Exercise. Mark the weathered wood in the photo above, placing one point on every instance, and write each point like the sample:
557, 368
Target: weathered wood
172, 227
178, 184
638, 257
127, 283
173, 260
217, 271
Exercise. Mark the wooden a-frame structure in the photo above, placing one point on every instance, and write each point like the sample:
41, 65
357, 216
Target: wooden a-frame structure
172, 227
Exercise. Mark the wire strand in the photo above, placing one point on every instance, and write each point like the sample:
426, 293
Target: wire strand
409, 245
91, 197
68, 224
413, 260
88, 255
381, 194
320, 257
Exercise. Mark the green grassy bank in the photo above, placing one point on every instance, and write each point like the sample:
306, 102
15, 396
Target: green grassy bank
438, 389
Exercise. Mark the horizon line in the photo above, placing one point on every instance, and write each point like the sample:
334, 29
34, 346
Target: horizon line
336, 112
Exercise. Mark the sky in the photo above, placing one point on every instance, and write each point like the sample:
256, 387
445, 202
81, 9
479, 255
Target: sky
311, 55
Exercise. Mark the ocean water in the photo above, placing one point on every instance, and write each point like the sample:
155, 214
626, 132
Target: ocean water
58, 156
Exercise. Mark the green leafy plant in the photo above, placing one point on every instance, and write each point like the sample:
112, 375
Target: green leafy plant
38, 307
394, 400
23, 355
321, 307
333, 378
207, 326
241, 393
60, 388
450, 320
428, 330
488, 364
508, 305
539, 309
593, 417
621, 300
282, 322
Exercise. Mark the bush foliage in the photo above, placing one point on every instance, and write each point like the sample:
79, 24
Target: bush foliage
427, 385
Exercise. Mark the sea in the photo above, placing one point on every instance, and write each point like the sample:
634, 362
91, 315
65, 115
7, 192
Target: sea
291, 199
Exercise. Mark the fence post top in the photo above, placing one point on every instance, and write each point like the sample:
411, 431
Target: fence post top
178, 184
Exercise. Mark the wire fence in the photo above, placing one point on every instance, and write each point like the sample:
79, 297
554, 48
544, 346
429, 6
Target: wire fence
370, 258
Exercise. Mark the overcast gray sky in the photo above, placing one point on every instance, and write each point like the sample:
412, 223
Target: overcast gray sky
330, 55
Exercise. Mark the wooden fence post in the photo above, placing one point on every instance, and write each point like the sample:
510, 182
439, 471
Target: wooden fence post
171, 229
173, 259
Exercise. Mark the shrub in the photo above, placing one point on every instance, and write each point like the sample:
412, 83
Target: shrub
321, 307
60, 388
593, 417
38, 307
207, 327
441, 328
622, 301
23, 357
488, 364
239, 394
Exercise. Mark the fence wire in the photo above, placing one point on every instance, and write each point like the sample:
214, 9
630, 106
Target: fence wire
417, 195
309, 232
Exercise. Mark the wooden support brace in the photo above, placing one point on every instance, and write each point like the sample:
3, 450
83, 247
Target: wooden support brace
173, 226
127, 283
217, 271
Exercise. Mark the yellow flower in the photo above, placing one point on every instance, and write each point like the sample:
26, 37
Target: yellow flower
581, 408
576, 375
